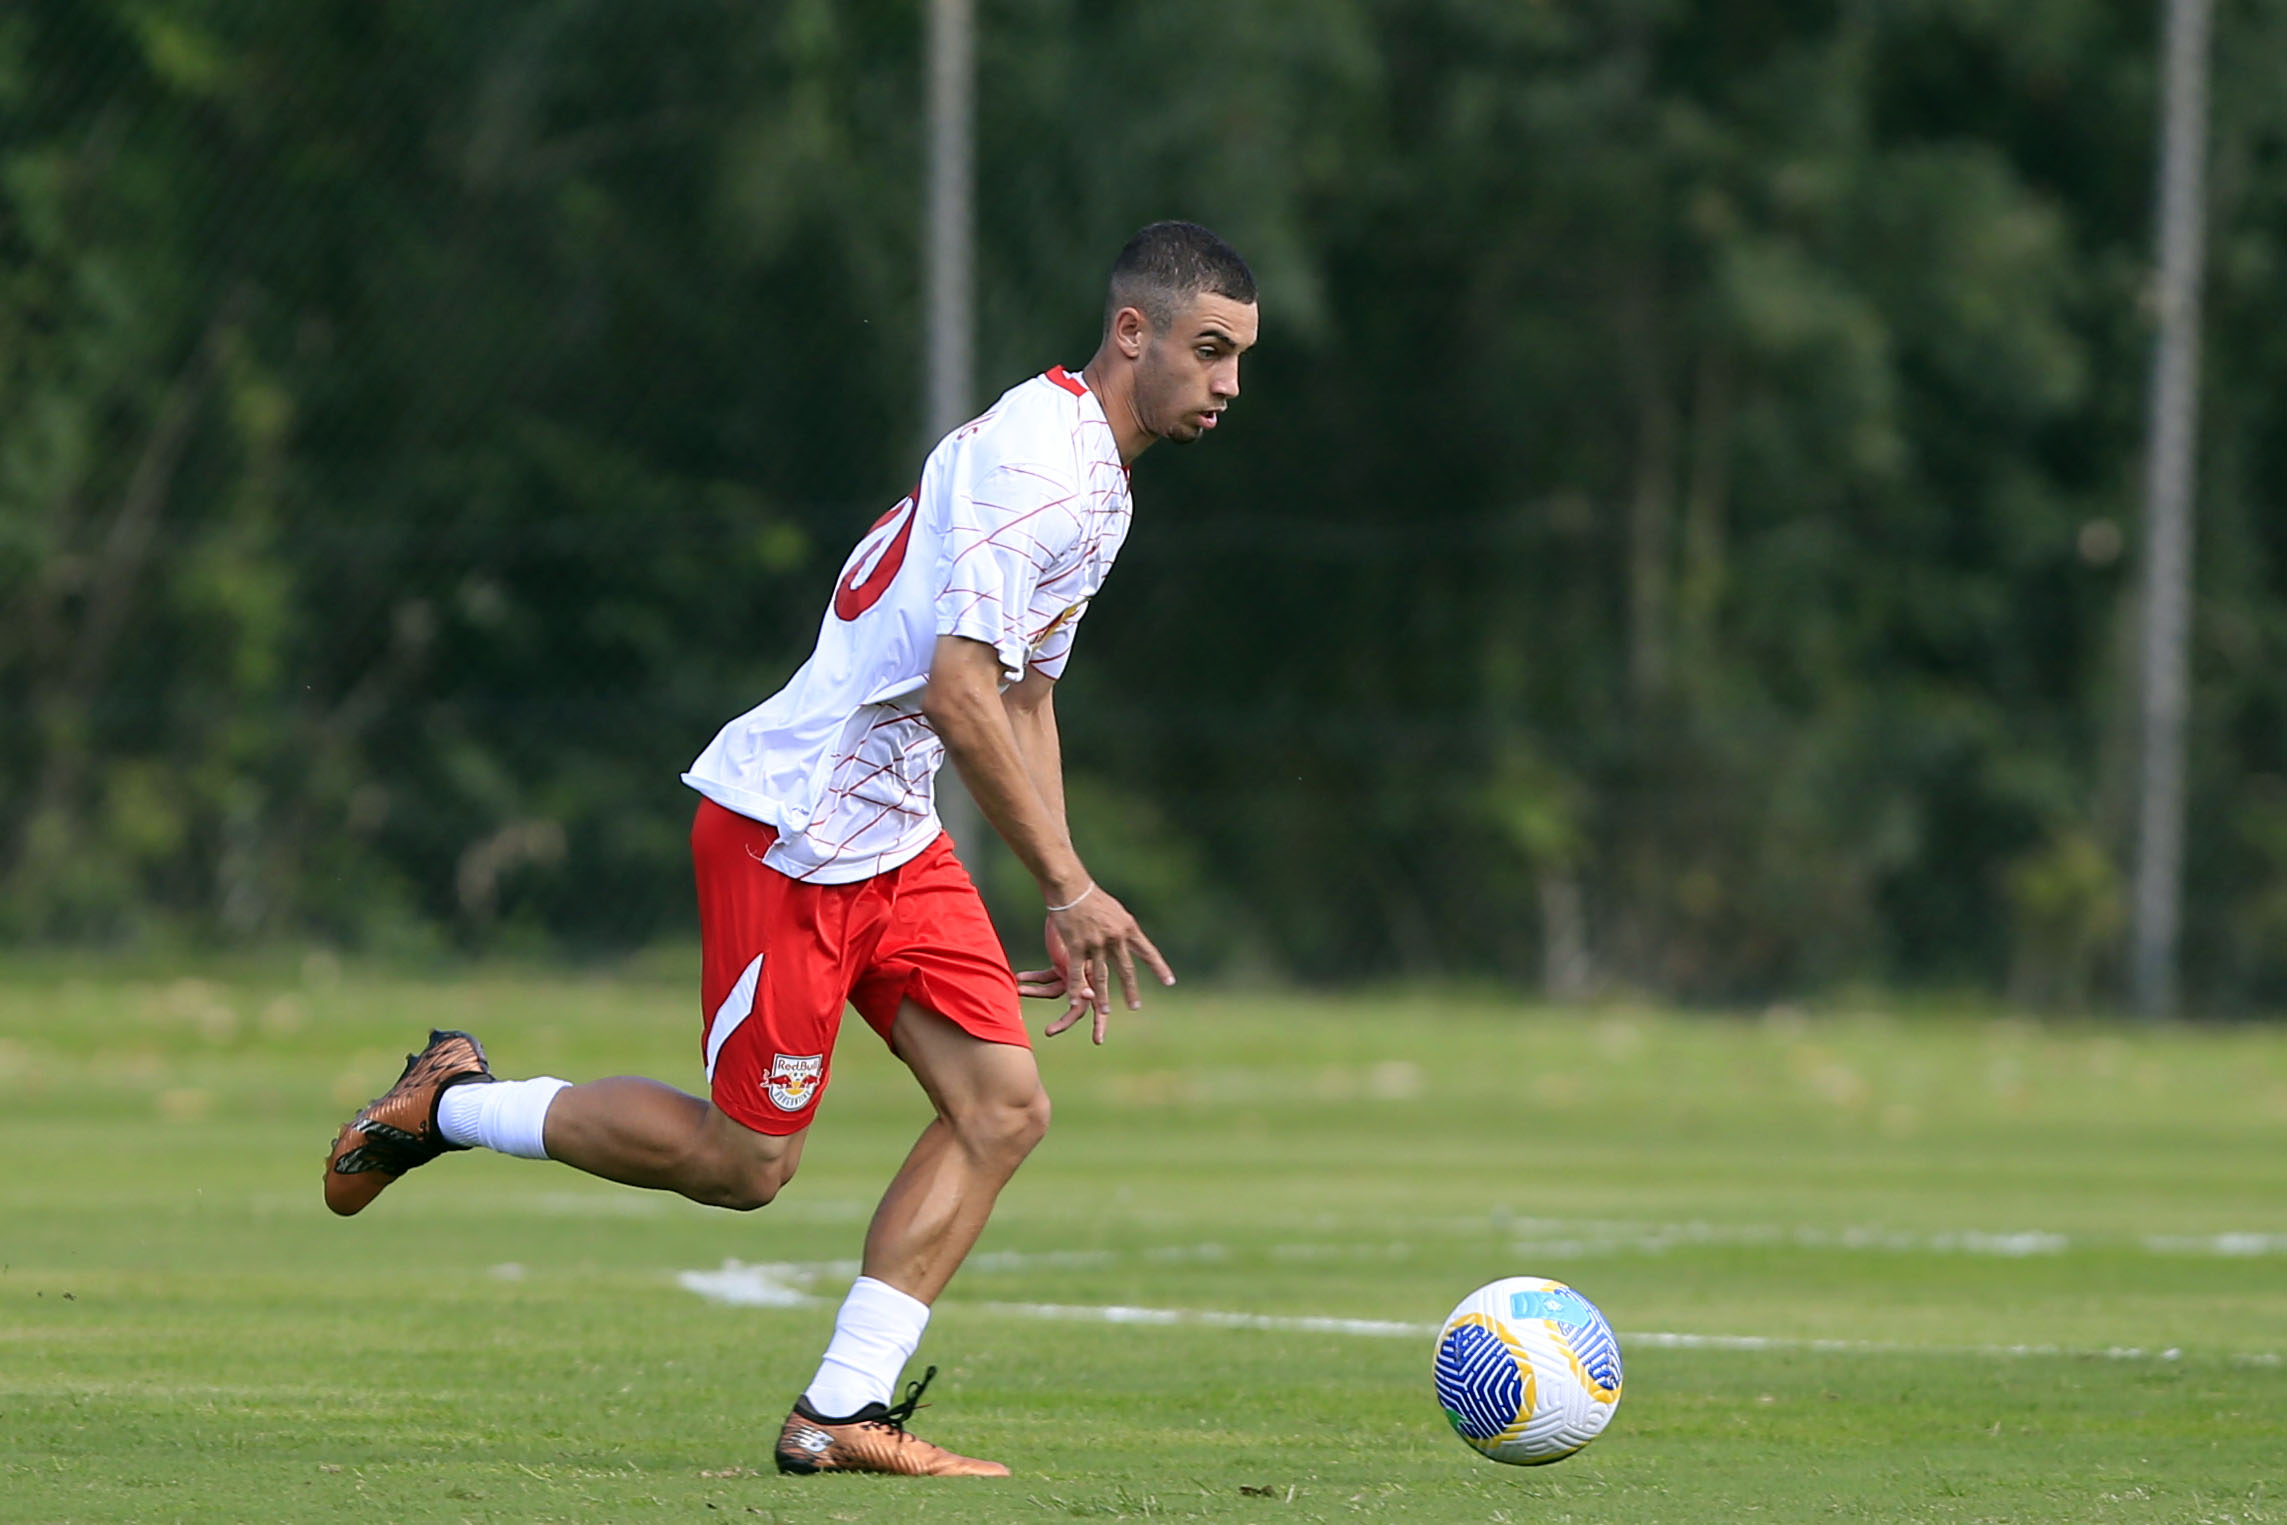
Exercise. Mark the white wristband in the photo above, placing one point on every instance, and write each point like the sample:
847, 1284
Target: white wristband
1075, 900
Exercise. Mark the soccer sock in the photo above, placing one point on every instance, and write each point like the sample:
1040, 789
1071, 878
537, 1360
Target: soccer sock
875, 1334
507, 1115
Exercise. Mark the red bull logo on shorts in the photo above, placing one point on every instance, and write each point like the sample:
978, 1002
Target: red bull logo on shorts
793, 1080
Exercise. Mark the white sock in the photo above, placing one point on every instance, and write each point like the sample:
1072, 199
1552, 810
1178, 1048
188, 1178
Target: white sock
875, 1334
507, 1115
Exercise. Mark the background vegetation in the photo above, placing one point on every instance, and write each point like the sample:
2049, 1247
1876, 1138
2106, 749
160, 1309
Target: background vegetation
1677, 533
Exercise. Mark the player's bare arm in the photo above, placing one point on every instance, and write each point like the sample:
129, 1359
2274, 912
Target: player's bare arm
1032, 713
1031, 706
1101, 940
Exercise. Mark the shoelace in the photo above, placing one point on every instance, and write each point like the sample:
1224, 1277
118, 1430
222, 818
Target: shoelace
902, 1410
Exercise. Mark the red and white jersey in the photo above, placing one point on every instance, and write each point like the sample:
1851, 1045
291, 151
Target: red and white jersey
1009, 534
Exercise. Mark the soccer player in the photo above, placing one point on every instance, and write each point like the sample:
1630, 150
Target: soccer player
825, 877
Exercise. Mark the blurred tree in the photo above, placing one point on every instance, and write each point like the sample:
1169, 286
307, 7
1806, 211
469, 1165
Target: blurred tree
1670, 538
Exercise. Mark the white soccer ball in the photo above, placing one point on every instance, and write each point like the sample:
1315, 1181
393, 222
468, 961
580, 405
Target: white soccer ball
1527, 1370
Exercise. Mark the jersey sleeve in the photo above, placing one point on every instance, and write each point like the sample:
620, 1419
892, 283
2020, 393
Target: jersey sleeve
1003, 534
1055, 648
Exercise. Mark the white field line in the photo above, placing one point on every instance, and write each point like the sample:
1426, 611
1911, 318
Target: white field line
1562, 1239
1209, 1319
1533, 1238
1659, 1239
1657, 1339
738, 1285
1665, 1340
1568, 1239
2216, 1244
787, 1284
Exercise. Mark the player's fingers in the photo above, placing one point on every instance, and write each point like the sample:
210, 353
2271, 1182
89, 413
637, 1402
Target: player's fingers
1040, 983
1103, 1020
1082, 994
1151, 957
1100, 986
1127, 968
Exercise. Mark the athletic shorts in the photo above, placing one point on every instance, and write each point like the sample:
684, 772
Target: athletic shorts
780, 958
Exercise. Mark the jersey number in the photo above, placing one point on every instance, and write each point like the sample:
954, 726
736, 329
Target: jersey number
873, 566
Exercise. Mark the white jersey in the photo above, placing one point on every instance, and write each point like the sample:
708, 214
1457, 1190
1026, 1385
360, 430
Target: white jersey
1009, 534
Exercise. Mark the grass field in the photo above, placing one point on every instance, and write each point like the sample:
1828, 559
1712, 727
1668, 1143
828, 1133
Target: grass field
1998, 1271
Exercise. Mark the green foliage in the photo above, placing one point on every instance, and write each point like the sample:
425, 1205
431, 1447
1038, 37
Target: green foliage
1677, 528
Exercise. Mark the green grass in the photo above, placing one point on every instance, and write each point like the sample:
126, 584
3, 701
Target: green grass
185, 1334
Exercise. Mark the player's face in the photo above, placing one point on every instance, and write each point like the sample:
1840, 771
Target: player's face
1188, 374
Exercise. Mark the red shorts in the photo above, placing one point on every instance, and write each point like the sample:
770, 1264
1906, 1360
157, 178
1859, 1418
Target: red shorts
780, 958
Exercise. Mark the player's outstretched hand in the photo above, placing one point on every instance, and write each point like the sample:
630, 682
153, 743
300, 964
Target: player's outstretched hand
1087, 945
1049, 983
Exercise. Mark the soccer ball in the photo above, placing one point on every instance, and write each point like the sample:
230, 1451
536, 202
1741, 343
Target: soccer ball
1527, 1370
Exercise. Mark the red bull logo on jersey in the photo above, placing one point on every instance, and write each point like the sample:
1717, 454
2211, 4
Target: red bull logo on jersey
793, 1080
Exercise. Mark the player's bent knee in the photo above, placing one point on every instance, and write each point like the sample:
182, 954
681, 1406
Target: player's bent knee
745, 1195
744, 1188
1008, 1127
1037, 1116
744, 1170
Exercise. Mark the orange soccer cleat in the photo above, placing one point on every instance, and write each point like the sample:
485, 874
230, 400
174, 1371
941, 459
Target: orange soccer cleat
398, 1130
874, 1439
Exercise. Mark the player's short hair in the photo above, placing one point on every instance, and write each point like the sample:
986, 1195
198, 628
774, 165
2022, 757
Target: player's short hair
1167, 264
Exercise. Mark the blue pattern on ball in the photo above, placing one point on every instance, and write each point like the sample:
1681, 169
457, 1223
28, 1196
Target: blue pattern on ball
1598, 1351
1478, 1382
1591, 1338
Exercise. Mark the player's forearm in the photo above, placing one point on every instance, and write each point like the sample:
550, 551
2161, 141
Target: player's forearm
984, 748
1036, 738
980, 738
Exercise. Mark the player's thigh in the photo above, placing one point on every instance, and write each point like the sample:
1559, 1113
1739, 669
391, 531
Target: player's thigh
776, 970
981, 1083
938, 950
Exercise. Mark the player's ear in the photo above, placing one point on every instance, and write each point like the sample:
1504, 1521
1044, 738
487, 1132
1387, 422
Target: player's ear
1131, 331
